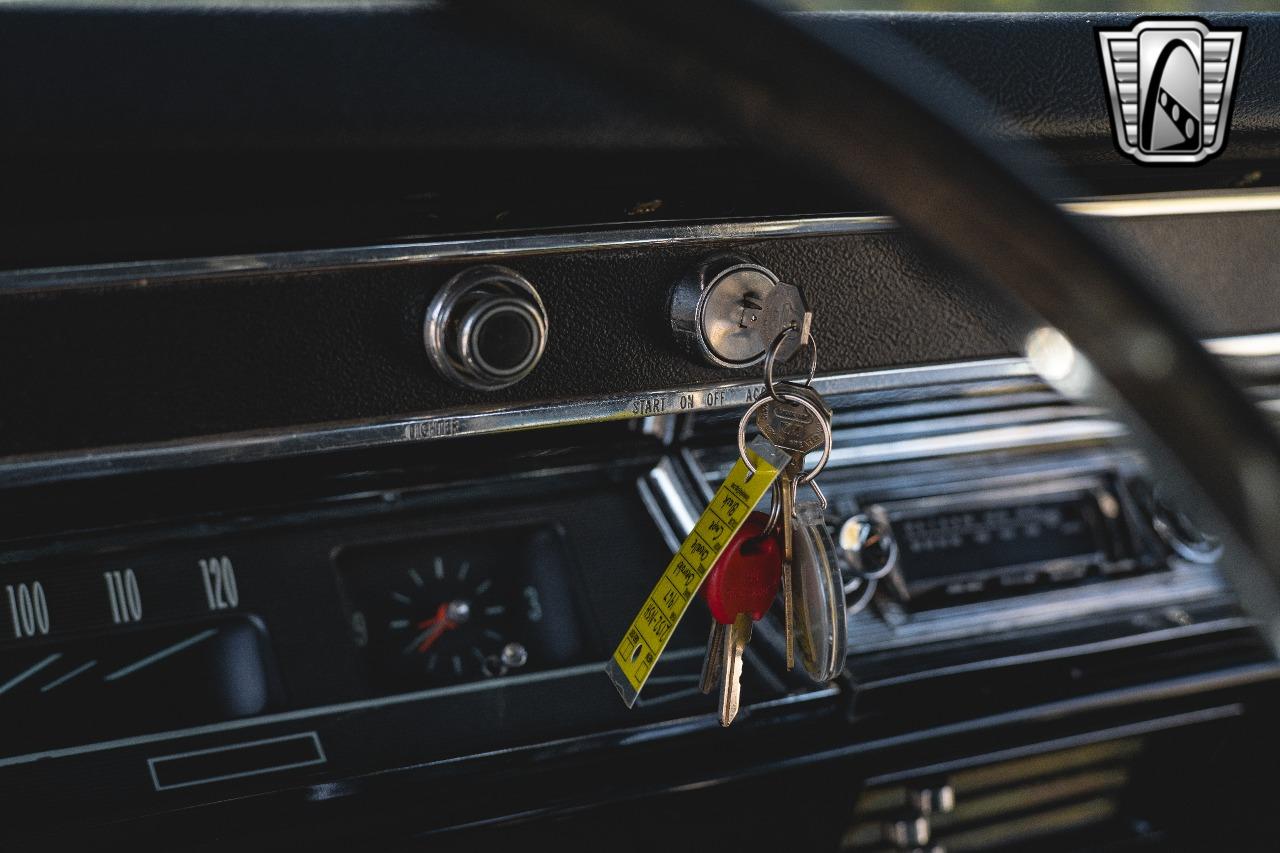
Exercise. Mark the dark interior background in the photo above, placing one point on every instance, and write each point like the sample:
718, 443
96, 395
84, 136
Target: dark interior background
136, 132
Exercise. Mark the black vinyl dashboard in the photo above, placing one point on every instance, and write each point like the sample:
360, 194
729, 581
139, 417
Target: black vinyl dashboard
270, 580
267, 618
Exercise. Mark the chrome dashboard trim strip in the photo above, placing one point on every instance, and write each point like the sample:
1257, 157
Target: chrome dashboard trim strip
586, 669
34, 469
1141, 636
1245, 346
1066, 431
151, 273
987, 433
1176, 204
475, 249
1146, 726
647, 731
1182, 584
16, 471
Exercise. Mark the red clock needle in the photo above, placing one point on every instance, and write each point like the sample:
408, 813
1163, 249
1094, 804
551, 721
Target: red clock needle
438, 625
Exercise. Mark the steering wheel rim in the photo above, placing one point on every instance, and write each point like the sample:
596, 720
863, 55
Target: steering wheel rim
762, 76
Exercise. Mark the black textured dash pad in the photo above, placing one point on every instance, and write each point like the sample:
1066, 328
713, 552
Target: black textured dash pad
147, 363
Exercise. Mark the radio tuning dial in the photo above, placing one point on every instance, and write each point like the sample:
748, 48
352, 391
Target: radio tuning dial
1176, 528
486, 328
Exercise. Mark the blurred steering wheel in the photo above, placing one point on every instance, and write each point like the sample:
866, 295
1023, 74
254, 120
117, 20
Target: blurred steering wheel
862, 121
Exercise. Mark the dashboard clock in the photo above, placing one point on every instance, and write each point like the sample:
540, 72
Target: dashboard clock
463, 608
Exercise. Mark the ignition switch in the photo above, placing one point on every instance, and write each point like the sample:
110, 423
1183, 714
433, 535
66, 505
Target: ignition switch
728, 311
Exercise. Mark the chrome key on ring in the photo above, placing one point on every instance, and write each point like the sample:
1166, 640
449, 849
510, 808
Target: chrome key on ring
792, 425
797, 422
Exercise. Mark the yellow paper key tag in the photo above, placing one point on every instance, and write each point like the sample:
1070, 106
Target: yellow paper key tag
647, 637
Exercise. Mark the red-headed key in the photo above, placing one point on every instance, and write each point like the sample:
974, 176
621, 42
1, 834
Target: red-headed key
739, 589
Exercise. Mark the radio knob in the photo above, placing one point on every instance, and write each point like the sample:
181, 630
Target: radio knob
1183, 536
486, 328
867, 543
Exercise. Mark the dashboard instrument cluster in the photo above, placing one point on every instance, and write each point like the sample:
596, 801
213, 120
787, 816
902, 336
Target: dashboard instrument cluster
436, 617
427, 581
149, 643
238, 655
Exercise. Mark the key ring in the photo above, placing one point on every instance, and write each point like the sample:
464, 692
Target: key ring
787, 397
872, 527
868, 590
775, 508
772, 357
775, 503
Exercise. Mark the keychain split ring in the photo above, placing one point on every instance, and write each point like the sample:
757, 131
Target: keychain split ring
775, 508
775, 503
807, 477
868, 590
772, 358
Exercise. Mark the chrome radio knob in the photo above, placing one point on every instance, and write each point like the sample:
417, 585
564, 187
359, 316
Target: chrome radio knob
1184, 536
867, 544
486, 328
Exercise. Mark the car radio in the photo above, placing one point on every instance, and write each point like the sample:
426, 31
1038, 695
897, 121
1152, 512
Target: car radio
999, 541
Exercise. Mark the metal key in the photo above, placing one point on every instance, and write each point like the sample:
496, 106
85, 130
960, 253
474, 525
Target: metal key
739, 589
794, 428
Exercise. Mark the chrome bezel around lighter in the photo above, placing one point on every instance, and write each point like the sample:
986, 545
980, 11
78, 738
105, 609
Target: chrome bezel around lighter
448, 338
